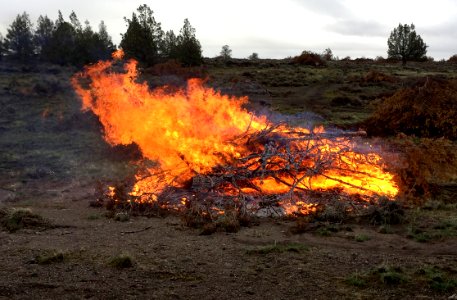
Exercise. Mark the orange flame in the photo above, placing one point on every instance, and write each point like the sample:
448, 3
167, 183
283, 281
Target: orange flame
192, 130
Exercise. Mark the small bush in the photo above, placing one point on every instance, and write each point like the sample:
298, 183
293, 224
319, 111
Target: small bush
362, 238
278, 248
453, 59
437, 279
310, 59
357, 280
122, 261
375, 77
50, 258
19, 218
390, 275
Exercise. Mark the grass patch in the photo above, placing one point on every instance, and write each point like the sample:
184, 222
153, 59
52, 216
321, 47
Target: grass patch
437, 279
357, 280
19, 218
390, 275
328, 230
362, 238
278, 248
93, 217
48, 258
121, 261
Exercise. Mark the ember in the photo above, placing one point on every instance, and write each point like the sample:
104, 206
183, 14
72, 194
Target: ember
209, 150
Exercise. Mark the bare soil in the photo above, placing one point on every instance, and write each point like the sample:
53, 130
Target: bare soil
171, 261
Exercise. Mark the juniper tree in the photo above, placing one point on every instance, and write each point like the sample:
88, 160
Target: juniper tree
19, 38
405, 44
189, 49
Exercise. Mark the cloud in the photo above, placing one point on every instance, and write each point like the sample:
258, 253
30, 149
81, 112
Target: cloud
358, 28
333, 8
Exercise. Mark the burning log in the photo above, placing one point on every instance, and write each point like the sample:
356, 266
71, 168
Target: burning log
214, 157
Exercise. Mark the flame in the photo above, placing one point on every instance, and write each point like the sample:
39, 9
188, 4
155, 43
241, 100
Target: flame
195, 129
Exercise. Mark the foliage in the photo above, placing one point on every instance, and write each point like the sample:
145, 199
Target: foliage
169, 46
309, 58
453, 59
43, 35
428, 109
62, 43
121, 261
425, 162
390, 275
189, 50
50, 257
70, 43
327, 54
437, 279
19, 38
278, 248
15, 219
2, 47
374, 76
405, 44
226, 52
254, 56
143, 38
357, 280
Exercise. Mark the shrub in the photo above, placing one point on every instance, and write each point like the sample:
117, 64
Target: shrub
121, 261
15, 219
453, 59
375, 77
428, 109
309, 58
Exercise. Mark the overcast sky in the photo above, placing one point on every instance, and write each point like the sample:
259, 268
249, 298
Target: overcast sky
273, 29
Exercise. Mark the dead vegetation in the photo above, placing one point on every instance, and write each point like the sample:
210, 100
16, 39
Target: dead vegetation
428, 109
232, 195
14, 219
426, 165
309, 58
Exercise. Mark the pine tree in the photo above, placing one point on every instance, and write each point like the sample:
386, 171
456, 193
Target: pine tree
43, 35
19, 38
170, 45
63, 42
143, 38
189, 49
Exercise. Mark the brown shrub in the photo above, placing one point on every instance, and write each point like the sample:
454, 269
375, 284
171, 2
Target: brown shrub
375, 77
425, 163
309, 58
428, 109
453, 59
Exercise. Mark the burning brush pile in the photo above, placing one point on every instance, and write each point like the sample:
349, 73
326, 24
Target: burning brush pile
205, 155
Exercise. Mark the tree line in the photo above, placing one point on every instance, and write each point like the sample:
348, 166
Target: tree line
60, 41
68, 42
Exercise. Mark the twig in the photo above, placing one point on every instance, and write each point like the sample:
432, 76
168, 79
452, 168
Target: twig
136, 231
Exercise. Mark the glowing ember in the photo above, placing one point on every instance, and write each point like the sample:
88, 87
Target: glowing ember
196, 132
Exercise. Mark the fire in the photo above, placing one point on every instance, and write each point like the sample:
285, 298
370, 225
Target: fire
198, 131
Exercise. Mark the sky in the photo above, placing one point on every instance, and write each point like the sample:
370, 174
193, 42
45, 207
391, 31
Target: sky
273, 29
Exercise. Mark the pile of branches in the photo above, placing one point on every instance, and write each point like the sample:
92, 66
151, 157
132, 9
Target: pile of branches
236, 188
428, 109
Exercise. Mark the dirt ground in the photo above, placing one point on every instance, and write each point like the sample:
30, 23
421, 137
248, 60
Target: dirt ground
51, 157
171, 261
